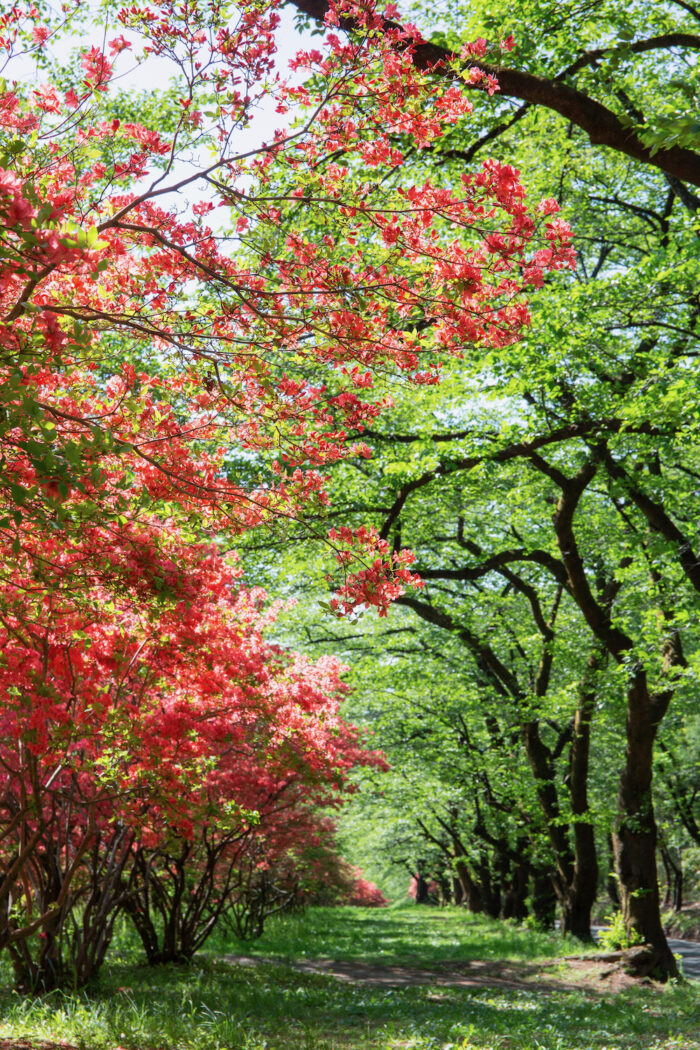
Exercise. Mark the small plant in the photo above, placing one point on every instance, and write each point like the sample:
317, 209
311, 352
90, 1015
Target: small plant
616, 936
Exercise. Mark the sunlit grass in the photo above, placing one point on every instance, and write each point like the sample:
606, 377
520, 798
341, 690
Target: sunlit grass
211, 1005
405, 934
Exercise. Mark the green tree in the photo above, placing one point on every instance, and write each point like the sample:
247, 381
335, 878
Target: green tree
598, 402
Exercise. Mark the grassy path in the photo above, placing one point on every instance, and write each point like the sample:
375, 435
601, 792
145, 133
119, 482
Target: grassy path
215, 1005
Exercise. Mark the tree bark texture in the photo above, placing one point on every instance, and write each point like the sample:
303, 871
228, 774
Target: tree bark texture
635, 837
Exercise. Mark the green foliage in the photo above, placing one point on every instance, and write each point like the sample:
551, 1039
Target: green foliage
611, 361
616, 936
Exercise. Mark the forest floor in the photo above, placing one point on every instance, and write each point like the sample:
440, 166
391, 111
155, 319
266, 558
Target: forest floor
401, 978
567, 973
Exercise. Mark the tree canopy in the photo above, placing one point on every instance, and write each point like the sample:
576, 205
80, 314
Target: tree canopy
442, 320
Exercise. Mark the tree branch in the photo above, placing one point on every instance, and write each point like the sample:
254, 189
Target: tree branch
603, 127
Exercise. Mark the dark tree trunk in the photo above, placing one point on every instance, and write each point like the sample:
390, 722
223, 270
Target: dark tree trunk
635, 836
576, 920
490, 889
673, 898
422, 895
611, 881
471, 891
146, 930
583, 887
445, 884
44, 973
516, 892
576, 877
544, 899
677, 902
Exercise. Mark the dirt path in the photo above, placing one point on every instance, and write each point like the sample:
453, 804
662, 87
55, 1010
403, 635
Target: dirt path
543, 977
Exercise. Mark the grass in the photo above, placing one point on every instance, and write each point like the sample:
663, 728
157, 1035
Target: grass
211, 1005
402, 934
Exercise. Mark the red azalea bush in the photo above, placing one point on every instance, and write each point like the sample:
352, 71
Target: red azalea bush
320, 875
366, 894
138, 731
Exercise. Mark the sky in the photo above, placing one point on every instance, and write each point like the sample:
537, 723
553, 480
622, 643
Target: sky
91, 31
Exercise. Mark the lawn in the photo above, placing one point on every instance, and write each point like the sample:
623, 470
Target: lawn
217, 1005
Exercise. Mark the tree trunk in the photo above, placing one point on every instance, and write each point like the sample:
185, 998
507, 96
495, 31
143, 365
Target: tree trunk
575, 879
635, 836
673, 898
583, 887
544, 899
576, 919
490, 888
515, 896
611, 881
422, 896
471, 891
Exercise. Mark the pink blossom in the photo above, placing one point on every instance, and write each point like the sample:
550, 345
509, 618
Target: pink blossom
120, 43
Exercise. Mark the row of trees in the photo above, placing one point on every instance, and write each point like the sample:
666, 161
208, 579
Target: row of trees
190, 327
549, 488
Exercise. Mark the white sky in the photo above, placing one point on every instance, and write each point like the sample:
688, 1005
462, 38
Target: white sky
149, 73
